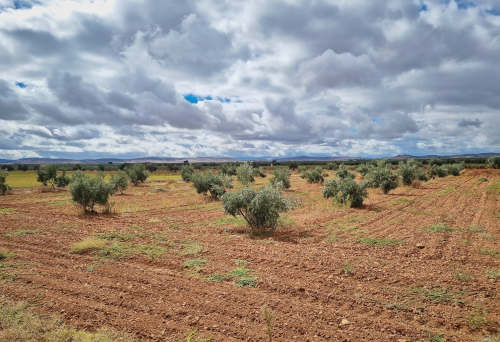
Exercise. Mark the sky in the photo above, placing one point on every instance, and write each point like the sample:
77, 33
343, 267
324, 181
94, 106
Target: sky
128, 78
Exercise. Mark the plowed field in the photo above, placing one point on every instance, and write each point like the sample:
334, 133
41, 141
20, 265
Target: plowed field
418, 264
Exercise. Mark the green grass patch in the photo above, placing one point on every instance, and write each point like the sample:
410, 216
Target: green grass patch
475, 229
242, 277
21, 232
5, 253
438, 295
493, 273
117, 249
195, 262
239, 262
463, 277
439, 228
18, 323
216, 278
493, 189
490, 252
237, 221
7, 211
192, 248
378, 242
119, 236
87, 245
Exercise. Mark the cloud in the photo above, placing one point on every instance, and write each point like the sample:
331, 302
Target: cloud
248, 78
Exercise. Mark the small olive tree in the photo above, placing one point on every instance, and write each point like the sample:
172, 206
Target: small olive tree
187, 173
363, 169
383, 178
4, 187
281, 175
259, 171
438, 170
137, 174
315, 175
407, 171
119, 181
88, 190
228, 169
245, 173
48, 175
343, 172
260, 208
213, 184
346, 191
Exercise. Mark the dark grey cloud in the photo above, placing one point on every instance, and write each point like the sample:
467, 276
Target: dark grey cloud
470, 123
11, 107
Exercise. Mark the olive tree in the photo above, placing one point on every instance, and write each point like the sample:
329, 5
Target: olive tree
281, 176
137, 174
382, 177
343, 172
48, 175
213, 184
346, 191
88, 190
245, 173
260, 208
187, 172
119, 181
315, 175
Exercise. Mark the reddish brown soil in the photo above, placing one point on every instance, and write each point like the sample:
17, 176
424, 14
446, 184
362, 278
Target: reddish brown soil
403, 292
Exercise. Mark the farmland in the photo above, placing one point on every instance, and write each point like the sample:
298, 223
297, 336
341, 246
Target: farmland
417, 264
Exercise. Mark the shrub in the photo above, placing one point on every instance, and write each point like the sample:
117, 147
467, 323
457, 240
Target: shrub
137, 174
383, 178
4, 187
421, 175
245, 174
260, 208
89, 191
345, 191
363, 169
343, 172
214, 184
151, 168
281, 175
332, 166
293, 165
454, 169
48, 175
315, 175
436, 170
259, 172
119, 181
187, 172
407, 171
228, 169
493, 162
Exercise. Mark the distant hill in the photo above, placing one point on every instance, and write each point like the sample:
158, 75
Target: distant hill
226, 160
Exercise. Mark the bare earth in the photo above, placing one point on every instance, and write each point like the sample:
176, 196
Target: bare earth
320, 278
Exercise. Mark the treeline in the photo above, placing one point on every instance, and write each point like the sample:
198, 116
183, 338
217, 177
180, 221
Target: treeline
174, 167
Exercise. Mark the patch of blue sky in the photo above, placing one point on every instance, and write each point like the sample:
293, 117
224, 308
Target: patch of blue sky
193, 98
21, 84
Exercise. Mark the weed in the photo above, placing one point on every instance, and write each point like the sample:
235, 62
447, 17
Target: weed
192, 249
435, 295
490, 252
378, 242
243, 277
493, 273
87, 245
20, 324
437, 338
477, 319
90, 268
7, 211
475, 229
439, 228
269, 320
482, 180
195, 262
118, 236
4, 253
192, 336
347, 268
21, 232
332, 237
215, 278
239, 262
150, 250
465, 277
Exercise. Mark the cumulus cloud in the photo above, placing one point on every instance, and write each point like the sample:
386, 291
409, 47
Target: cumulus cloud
333, 78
